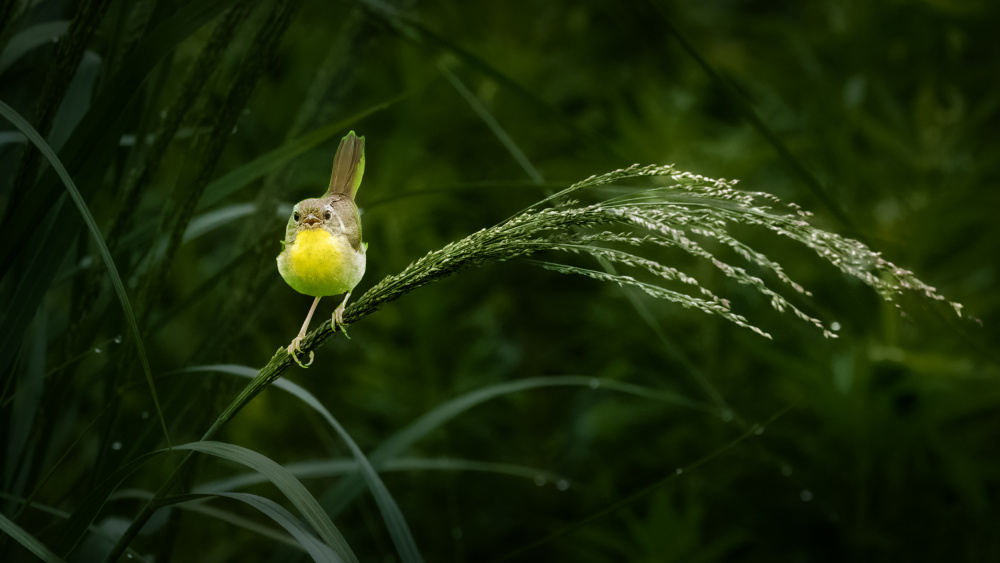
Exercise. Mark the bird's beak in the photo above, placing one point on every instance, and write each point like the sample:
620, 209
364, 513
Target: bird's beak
312, 220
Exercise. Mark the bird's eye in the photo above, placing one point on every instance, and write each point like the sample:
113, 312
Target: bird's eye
327, 215
295, 216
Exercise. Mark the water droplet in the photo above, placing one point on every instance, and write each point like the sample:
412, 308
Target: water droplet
834, 326
55, 39
758, 430
854, 90
678, 471
86, 262
727, 416
145, 415
234, 129
806, 496
539, 480
594, 383
97, 350
786, 470
118, 339
163, 114
562, 484
116, 446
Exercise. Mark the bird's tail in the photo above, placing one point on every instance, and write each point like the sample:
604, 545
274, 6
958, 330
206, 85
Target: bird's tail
348, 166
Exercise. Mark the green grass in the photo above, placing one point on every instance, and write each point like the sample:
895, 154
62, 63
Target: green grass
487, 406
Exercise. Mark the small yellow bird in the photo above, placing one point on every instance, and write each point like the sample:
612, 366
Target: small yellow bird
322, 253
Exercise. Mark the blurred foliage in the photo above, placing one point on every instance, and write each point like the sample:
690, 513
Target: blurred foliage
879, 117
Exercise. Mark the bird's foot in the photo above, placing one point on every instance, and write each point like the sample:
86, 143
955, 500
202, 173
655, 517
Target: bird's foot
296, 346
338, 317
338, 322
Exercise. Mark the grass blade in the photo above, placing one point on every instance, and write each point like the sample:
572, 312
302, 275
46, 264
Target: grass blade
31, 38
391, 514
87, 511
28, 503
291, 487
241, 177
402, 440
316, 549
335, 467
27, 540
236, 520
34, 253
413, 30
645, 491
94, 141
347, 489
88, 218
494, 125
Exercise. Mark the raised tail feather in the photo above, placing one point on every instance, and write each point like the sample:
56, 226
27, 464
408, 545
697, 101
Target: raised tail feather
348, 166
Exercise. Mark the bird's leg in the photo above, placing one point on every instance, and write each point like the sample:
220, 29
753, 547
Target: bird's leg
297, 341
338, 314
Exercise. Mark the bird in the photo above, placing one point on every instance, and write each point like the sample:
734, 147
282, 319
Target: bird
322, 254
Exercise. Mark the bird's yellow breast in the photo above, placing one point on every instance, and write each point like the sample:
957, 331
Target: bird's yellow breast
321, 264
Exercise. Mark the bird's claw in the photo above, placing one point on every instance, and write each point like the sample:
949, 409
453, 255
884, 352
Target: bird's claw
294, 347
338, 320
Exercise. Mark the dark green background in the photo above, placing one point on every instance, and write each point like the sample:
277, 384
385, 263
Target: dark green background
886, 447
